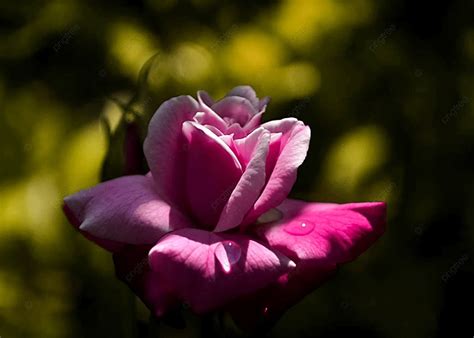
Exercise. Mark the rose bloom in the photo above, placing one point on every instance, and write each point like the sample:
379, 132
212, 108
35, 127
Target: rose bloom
211, 225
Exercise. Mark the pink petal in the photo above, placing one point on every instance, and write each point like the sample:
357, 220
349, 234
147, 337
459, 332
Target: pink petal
318, 237
204, 98
245, 146
262, 105
212, 172
327, 234
165, 146
209, 117
249, 93
246, 92
235, 108
111, 246
293, 146
253, 123
236, 131
207, 270
126, 210
274, 153
254, 150
229, 141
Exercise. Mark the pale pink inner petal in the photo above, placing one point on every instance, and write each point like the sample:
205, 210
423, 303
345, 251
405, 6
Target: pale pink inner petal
236, 130
253, 123
262, 105
204, 98
216, 131
209, 117
287, 153
165, 146
212, 172
252, 152
235, 109
246, 92
229, 141
273, 153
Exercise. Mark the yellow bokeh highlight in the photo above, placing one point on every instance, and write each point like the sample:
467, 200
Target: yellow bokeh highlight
112, 115
259, 59
251, 52
82, 158
159, 71
299, 80
302, 22
45, 139
353, 158
190, 63
130, 46
31, 207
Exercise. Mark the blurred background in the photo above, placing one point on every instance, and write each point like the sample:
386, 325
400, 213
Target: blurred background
386, 86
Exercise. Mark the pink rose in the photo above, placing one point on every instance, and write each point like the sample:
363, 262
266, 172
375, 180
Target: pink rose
211, 224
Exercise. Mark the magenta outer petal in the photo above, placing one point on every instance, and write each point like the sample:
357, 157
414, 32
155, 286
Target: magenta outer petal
339, 232
194, 265
125, 209
165, 148
293, 144
334, 234
108, 245
254, 149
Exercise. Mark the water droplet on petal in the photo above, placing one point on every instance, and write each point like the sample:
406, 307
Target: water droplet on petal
233, 251
265, 310
299, 227
228, 253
